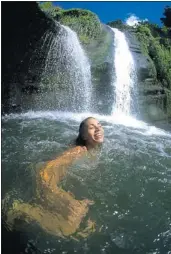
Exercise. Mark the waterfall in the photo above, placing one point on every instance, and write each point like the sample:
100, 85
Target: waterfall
67, 69
124, 78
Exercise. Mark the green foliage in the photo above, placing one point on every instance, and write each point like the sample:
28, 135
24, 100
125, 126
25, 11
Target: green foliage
167, 19
157, 47
152, 69
84, 39
165, 30
143, 35
168, 101
49, 8
45, 6
85, 23
162, 59
118, 24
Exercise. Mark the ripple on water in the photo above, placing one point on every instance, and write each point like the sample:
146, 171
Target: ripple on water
129, 181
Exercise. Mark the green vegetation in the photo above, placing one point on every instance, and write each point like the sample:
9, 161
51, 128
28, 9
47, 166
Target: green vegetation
168, 101
49, 8
85, 23
167, 19
156, 43
118, 24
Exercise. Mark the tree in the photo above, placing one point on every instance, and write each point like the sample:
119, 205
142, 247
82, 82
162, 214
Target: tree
117, 24
167, 19
49, 8
46, 6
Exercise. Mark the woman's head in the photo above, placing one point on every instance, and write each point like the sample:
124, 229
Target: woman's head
91, 133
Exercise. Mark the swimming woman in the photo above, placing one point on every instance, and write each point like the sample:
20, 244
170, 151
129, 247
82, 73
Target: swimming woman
54, 209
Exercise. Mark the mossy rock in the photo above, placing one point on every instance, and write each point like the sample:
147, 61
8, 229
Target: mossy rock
120, 25
99, 50
85, 23
168, 102
156, 45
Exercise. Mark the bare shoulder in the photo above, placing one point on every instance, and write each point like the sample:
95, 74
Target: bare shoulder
77, 150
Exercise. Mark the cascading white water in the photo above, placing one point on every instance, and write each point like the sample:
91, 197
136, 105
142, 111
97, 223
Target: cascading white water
67, 66
124, 79
80, 68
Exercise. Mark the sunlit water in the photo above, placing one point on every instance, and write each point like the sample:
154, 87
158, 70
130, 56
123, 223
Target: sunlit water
124, 75
66, 67
130, 180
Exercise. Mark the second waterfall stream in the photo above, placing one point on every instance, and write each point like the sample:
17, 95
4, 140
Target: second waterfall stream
124, 77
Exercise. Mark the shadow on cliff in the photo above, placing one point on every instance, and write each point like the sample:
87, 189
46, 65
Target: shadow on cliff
23, 24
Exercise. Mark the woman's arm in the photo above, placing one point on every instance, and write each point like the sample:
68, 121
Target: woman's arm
56, 169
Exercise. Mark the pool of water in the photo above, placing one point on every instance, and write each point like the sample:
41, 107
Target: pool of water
129, 181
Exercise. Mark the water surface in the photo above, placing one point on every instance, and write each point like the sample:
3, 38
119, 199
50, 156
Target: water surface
130, 181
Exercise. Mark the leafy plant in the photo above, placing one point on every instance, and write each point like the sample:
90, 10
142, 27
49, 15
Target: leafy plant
118, 24
85, 23
167, 19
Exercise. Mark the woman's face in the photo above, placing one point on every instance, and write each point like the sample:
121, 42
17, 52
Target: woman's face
93, 132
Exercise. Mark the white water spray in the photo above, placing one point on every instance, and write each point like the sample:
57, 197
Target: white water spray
68, 67
139, 126
80, 68
124, 79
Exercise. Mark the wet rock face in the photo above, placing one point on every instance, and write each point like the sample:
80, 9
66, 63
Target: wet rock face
145, 68
23, 24
151, 95
103, 91
102, 71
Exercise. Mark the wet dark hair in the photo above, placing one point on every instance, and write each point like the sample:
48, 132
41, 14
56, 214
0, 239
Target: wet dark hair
80, 140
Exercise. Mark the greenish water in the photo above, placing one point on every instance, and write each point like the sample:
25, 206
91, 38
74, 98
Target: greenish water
130, 182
